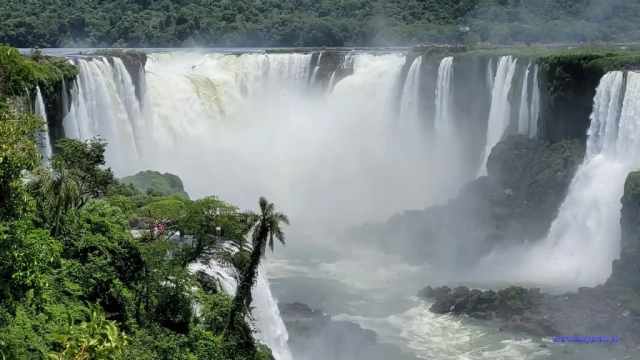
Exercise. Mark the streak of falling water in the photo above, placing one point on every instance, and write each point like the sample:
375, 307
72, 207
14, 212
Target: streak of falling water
43, 136
523, 114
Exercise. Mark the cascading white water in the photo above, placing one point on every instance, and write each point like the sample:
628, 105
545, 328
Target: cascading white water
499, 114
410, 101
104, 104
448, 150
43, 136
443, 122
332, 80
523, 113
585, 237
534, 111
272, 329
315, 71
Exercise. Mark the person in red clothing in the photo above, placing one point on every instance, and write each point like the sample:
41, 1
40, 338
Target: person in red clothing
160, 228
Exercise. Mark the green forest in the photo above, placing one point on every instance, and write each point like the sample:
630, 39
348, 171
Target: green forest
295, 23
77, 284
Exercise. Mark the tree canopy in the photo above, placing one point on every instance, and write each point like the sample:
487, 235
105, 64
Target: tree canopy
175, 23
78, 285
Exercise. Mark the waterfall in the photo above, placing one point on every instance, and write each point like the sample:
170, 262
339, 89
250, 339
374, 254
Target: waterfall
265, 310
315, 71
272, 329
443, 122
585, 237
499, 114
104, 104
448, 151
490, 75
347, 63
535, 104
523, 114
43, 136
410, 101
332, 81
216, 120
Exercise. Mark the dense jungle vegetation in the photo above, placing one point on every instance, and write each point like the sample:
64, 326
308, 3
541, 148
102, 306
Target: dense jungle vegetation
174, 23
77, 285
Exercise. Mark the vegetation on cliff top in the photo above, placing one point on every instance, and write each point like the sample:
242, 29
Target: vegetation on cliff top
171, 23
19, 73
77, 284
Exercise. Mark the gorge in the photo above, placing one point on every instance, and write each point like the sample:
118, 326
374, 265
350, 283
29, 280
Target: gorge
502, 167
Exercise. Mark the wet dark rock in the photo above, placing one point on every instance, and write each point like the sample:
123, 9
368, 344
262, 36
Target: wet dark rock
299, 310
209, 283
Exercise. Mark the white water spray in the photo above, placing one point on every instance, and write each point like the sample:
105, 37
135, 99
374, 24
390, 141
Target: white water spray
500, 112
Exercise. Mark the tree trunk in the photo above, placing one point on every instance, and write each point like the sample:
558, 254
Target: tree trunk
244, 288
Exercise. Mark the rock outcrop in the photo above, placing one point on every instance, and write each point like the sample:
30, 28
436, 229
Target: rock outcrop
526, 183
599, 311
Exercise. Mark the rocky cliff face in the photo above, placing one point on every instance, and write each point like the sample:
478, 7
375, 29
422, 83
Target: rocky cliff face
626, 269
610, 309
526, 183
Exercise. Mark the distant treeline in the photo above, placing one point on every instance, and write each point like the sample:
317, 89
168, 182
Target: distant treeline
259, 23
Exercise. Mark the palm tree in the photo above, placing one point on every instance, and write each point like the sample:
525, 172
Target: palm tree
61, 192
265, 227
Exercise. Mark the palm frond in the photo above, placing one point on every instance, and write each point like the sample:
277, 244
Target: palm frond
279, 234
281, 218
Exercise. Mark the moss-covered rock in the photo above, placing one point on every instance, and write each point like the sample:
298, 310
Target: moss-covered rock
164, 184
